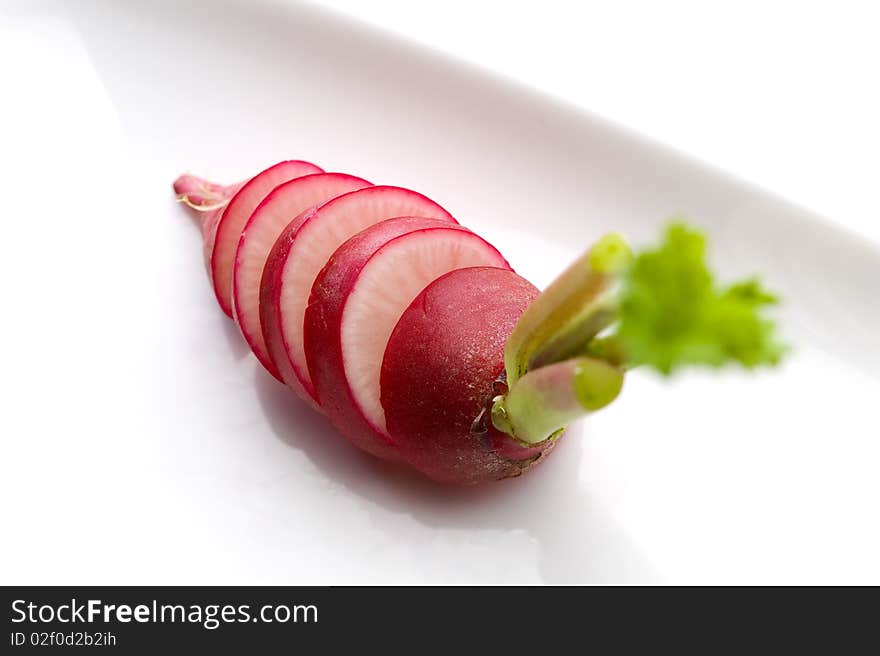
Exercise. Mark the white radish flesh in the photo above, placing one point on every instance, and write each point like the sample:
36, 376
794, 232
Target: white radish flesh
301, 252
385, 288
223, 240
284, 205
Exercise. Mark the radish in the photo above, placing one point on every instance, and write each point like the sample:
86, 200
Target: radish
357, 300
209, 200
224, 238
286, 204
442, 364
301, 252
423, 346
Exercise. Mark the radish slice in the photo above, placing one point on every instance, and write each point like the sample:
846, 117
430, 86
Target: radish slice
286, 204
223, 240
300, 253
357, 300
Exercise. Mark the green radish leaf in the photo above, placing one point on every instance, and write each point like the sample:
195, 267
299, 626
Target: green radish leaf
672, 314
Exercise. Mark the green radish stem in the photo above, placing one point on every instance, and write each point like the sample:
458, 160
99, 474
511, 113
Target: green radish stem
576, 306
546, 399
663, 310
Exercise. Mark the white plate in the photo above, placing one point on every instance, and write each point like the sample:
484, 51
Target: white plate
145, 445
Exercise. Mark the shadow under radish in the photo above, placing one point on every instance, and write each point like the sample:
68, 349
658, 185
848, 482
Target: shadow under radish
237, 345
578, 541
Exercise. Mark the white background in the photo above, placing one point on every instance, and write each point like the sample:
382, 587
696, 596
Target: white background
781, 93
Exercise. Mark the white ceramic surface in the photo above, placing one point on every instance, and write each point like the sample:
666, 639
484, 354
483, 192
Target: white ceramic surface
143, 444
776, 93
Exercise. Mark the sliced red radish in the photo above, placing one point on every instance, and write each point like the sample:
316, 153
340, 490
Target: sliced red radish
300, 253
287, 204
357, 300
223, 240
438, 372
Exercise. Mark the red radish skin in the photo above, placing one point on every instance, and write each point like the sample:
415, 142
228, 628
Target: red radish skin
299, 254
286, 205
438, 372
208, 199
224, 239
355, 303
